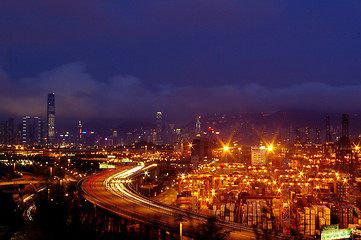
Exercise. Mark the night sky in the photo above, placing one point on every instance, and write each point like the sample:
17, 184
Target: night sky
128, 59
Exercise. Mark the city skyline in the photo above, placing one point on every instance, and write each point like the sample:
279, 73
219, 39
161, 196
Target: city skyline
192, 119
124, 61
300, 128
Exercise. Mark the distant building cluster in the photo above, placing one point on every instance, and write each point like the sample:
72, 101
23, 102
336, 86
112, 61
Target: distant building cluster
31, 131
204, 134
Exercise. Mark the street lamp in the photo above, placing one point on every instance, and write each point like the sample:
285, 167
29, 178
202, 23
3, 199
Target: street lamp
226, 152
270, 148
181, 220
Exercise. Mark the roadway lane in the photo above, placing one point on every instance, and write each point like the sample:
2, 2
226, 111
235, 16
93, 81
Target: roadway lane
111, 190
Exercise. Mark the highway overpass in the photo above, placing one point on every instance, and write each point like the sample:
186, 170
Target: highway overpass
18, 181
110, 190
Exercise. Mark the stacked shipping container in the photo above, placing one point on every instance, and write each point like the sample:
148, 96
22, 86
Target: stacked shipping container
311, 218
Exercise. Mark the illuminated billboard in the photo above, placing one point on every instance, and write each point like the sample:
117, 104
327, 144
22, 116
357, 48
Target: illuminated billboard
335, 234
106, 165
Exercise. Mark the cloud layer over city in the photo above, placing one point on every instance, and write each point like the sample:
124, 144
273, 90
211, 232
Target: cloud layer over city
80, 96
127, 60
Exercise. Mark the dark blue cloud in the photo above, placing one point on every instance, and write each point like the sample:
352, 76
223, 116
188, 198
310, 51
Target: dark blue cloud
125, 97
199, 56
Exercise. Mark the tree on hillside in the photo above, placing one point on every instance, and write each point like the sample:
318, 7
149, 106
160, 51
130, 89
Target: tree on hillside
10, 216
211, 231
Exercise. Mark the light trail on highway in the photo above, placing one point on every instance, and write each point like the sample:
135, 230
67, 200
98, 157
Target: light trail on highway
111, 190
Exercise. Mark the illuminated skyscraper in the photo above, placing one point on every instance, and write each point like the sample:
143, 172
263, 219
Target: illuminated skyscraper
158, 129
115, 138
51, 118
258, 156
198, 125
37, 131
26, 131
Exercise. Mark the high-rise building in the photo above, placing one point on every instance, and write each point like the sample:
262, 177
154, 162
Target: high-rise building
51, 118
115, 138
198, 125
10, 138
19, 134
201, 151
26, 131
32, 131
159, 128
2, 132
258, 155
7, 132
37, 131
80, 131
43, 132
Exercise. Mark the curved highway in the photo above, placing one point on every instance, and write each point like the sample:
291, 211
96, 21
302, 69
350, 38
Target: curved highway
111, 190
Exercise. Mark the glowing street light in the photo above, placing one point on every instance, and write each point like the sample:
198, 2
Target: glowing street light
270, 148
181, 220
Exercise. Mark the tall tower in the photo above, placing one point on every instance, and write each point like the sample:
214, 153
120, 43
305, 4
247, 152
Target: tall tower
51, 118
158, 129
198, 125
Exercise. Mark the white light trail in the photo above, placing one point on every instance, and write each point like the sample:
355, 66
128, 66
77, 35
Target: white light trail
28, 212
